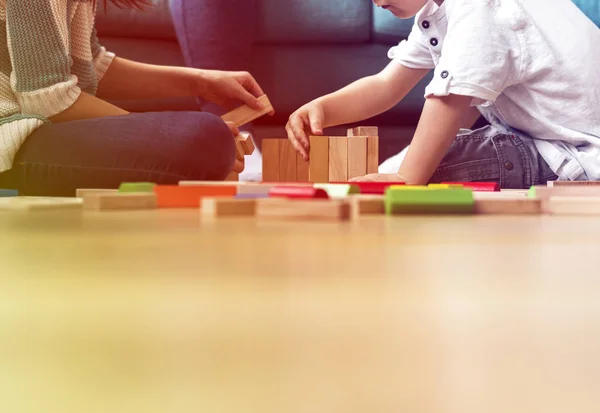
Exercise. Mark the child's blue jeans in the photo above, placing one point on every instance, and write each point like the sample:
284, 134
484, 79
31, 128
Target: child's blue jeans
488, 155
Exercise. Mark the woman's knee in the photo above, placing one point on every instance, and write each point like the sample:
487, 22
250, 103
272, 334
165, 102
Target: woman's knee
209, 147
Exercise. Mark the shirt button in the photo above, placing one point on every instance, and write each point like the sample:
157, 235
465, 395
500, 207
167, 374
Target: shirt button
444, 74
425, 24
434, 42
509, 166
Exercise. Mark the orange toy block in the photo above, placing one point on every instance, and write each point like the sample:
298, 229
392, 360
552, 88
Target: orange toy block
175, 196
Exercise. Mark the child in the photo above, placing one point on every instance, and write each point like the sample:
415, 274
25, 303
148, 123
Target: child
57, 130
530, 67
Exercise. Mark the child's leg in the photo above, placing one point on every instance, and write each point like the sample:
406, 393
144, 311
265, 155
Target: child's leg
487, 155
162, 147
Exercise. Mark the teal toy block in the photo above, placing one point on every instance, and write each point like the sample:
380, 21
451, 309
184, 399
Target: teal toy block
5, 193
429, 201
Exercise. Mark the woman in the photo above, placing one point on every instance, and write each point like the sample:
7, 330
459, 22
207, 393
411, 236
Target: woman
57, 130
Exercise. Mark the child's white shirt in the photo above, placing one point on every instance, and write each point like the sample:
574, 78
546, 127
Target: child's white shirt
530, 66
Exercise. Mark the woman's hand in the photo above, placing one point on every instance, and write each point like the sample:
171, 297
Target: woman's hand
306, 121
228, 89
239, 164
379, 178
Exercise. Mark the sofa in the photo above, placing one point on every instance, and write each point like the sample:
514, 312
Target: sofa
298, 50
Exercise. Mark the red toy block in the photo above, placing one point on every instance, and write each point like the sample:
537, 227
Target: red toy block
478, 186
373, 188
175, 196
301, 192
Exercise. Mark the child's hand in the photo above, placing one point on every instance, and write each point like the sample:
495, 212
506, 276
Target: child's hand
379, 178
306, 121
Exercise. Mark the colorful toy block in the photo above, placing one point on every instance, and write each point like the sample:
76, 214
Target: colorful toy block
339, 190
129, 187
174, 196
298, 192
478, 186
5, 193
428, 200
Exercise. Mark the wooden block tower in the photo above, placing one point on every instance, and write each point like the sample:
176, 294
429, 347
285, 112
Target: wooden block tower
332, 158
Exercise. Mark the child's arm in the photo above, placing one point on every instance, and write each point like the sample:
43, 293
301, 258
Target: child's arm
360, 100
440, 122
129, 80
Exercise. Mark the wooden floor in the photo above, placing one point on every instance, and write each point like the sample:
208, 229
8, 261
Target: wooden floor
160, 312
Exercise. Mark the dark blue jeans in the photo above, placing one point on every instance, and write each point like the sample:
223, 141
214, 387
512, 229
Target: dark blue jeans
161, 147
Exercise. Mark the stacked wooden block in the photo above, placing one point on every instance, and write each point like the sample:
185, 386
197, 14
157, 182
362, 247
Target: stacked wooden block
243, 142
332, 158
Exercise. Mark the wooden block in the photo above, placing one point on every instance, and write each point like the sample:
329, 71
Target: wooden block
314, 209
270, 160
424, 200
33, 203
82, 192
364, 131
357, 157
372, 154
499, 195
245, 114
554, 184
338, 159
8, 193
339, 190
505, 206
543, 193
319, 159
239, 152
298, 192
174, 196
287, 161
478, 186
120, 201
245, 141
576, 205
128, 187
302, 169
368, 204
254, 188
228, 207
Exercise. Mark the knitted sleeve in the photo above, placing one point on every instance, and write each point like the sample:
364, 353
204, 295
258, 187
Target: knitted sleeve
102, 57
38, 42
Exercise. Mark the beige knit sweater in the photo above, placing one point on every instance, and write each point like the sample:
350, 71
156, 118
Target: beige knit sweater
49, 54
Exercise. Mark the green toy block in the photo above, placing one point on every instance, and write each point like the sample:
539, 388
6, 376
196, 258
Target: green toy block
432, 201
339, 190
532, 192
129, 187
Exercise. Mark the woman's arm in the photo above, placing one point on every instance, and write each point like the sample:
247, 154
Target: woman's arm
85, 107
129, 80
